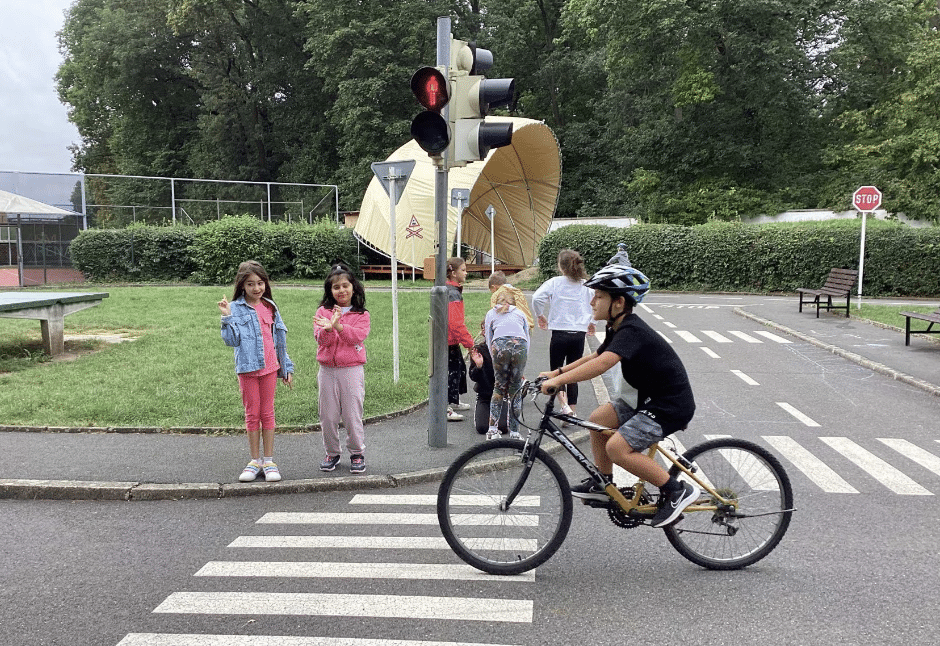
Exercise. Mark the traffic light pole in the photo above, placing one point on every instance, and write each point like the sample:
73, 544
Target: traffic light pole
437, 389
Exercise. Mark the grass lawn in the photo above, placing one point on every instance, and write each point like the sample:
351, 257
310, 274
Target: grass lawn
888, 314
179, 373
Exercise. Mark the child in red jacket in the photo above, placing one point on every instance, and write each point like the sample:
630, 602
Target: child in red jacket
341, 326
457, 335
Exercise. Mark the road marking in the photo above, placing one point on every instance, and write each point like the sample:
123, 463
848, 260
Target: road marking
924, 458
156, 639
773, 337
315, 518
751, 469
876, 467
720, 338
745, 378
669, 325
811, 466
797, 414
327, 570
688, 336
376, 542
744, 337
348, 605
430, 500
668, 340
710, 352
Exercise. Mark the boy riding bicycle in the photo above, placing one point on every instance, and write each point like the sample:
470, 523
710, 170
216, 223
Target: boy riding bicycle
664, 402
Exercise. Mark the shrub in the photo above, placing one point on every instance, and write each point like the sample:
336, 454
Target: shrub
899, 260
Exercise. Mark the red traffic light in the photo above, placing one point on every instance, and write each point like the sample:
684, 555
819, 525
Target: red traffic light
431, 88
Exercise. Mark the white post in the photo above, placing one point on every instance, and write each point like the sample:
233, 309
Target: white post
491, 214
861, 262
392, 201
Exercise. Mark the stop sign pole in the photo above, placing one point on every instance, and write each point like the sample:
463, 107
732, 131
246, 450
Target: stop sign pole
865, 199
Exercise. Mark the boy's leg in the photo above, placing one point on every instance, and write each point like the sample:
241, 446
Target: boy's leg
605, 416
637, 463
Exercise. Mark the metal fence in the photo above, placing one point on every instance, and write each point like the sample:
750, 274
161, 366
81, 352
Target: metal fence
34, 250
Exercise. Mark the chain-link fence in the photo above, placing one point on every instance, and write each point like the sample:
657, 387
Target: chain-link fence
34, 249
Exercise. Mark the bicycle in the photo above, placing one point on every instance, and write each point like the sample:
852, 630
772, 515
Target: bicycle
505, 506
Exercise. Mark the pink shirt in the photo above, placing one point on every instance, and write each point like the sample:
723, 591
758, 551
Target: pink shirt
266, 319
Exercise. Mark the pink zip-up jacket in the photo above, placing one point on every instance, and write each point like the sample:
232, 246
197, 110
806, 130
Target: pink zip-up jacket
346, 347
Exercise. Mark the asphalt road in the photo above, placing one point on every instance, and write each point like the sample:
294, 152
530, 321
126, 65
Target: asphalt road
859, 564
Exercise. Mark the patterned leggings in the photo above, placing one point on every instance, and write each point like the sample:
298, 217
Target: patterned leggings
509, 358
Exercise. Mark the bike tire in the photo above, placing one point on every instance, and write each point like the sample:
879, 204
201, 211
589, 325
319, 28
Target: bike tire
480, 532
750, 474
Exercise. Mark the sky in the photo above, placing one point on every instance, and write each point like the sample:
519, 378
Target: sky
35, 132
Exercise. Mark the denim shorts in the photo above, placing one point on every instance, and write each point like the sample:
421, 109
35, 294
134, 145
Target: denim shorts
638, 429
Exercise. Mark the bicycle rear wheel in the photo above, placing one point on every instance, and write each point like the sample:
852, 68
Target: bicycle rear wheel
729, 539
494, 540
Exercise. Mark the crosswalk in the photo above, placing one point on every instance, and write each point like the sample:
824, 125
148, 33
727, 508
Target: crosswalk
830, 464
476, 598
890, 464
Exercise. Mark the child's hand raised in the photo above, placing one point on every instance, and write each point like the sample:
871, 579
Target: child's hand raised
224, 307
476, 357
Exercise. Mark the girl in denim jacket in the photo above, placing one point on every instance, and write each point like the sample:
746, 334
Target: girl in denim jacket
252, 325
341, 326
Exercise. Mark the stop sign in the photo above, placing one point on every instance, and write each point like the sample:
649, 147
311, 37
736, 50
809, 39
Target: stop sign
866, 198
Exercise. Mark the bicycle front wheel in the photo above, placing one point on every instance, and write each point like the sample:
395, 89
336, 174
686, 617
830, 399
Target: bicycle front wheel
732, 538
470, 507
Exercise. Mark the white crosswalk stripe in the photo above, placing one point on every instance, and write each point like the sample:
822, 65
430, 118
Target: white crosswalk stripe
773, 337
333, 570
155, 639
688, 336
924, 458
348, 605
811, 466
886, 474
744, 336
715, 336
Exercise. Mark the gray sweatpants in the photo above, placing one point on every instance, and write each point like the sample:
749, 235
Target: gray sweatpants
342, 392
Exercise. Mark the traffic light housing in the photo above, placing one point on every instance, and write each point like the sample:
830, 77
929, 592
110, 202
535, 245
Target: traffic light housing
472, 97
430, 129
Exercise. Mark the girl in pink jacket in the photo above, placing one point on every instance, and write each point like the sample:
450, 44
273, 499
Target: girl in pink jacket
341, 326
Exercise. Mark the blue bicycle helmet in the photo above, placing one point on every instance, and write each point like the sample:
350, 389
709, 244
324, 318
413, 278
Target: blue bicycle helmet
620, 280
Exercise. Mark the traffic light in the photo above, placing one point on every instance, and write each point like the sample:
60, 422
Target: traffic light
472, 97
429, 128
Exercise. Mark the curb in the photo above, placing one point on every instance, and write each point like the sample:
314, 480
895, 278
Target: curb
897, 375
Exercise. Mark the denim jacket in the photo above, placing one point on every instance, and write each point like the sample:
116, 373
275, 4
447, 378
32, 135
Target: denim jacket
242, 331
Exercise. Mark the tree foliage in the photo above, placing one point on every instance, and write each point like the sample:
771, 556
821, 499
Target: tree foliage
671, 111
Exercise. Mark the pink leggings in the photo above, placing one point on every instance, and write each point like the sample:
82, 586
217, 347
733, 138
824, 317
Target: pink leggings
258, 397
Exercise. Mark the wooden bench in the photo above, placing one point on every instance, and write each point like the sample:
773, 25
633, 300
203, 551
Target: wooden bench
484, 268
932, 317
404, 271
838, 284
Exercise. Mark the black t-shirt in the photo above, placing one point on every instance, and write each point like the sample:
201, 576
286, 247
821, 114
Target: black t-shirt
650, 365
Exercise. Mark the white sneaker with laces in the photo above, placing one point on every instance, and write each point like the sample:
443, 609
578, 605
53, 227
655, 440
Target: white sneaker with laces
460, 406
514, 435
452, 416
493, 434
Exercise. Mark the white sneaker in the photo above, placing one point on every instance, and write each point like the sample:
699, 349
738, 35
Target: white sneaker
461, 406
514, 435
452, 416
566, 410
250, 472
493, 434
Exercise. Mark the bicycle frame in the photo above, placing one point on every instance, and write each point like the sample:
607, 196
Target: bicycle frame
548, 427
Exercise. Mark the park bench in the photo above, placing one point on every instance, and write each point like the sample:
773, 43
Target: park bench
932, 317
838, 285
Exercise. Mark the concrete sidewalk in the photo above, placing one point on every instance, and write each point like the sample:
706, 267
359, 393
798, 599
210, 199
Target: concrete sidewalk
160, 466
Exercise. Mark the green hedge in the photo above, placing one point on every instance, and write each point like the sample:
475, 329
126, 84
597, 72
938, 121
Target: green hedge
211, 253
719, 257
